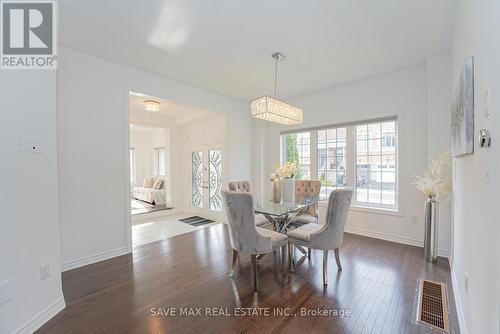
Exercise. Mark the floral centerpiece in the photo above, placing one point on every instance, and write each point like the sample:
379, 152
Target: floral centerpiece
288, 170
434, 182
283, 182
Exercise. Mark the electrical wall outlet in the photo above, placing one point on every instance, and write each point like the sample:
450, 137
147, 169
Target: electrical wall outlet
29, 145
45, 271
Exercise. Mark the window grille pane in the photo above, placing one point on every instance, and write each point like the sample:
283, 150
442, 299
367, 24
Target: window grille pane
376, 164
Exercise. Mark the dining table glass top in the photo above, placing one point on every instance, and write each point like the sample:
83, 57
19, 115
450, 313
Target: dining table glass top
283, 208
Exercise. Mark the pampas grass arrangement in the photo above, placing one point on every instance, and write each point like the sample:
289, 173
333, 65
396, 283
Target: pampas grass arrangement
435, 181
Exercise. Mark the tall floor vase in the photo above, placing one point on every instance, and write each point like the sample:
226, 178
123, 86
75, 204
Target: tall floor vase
431, 230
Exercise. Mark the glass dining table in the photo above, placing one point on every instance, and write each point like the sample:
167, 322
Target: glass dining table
278, 214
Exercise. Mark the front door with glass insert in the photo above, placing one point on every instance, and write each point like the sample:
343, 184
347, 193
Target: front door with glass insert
206, 181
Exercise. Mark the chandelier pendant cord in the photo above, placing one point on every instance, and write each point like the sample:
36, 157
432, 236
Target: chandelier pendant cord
276, 77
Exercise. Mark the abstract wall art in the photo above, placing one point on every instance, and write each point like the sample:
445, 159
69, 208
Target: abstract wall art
462, 112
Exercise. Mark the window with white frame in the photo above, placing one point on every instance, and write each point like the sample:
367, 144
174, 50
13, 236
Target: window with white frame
332, 159
132, 167
376, 161
159, 160
363, 156
297, 148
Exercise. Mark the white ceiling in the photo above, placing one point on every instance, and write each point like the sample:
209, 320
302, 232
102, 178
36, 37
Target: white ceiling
225, 45
171, 110
170, 114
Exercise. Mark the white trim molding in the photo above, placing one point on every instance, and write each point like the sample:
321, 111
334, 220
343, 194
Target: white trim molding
152, 215
458, 303
42, 317
393, 238
86, 260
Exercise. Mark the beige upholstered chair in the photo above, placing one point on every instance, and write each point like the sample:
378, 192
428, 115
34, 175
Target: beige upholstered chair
327, 236
304, 190
244, 186
245, 237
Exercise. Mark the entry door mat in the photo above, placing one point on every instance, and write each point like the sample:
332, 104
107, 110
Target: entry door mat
196, 221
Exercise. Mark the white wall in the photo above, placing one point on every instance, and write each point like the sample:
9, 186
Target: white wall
142, 143
29, 234
402, 94
93, 149
158, 138
439, 128
476, 213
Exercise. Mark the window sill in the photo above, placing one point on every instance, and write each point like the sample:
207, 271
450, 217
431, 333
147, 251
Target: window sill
380, 211
368, 209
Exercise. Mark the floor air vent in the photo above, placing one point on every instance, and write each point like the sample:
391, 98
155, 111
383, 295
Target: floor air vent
432, 305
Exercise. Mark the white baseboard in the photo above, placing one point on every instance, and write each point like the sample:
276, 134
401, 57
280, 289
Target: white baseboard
72, 264
393, 238
458, 303
42, 317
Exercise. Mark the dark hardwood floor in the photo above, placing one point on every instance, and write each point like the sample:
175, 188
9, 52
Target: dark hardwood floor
377, 286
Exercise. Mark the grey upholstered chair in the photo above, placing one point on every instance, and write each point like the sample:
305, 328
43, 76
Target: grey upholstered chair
244, 186
305, 189
327, 236
245, 237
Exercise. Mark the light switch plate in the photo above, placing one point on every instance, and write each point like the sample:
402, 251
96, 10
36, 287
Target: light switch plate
6, 291
45, 271
486, 171
466, 283
487, 103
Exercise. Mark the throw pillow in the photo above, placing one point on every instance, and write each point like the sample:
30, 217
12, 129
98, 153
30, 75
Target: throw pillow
158, 184
148, 182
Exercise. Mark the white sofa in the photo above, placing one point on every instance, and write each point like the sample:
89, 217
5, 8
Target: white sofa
151, 195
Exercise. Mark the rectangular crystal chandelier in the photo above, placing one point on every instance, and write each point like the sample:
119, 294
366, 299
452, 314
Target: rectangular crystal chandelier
273, 110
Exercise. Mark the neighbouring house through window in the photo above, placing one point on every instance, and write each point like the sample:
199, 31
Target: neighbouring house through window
362, 155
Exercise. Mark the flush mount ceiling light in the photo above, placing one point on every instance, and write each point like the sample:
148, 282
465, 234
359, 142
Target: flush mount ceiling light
274, 110
151, 105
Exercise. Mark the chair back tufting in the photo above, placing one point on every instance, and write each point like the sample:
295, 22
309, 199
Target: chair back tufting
305, 189
241, 186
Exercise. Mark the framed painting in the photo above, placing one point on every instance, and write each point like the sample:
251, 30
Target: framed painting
462, 113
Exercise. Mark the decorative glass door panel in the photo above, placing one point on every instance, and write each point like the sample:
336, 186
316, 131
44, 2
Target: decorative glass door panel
215, 180
207, 175
197, 193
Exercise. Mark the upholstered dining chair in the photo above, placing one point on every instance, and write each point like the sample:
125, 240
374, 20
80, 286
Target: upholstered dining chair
325, 236
245, 237
306, 189
244, 186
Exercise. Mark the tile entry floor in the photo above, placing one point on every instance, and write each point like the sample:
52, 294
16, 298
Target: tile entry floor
163, 227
